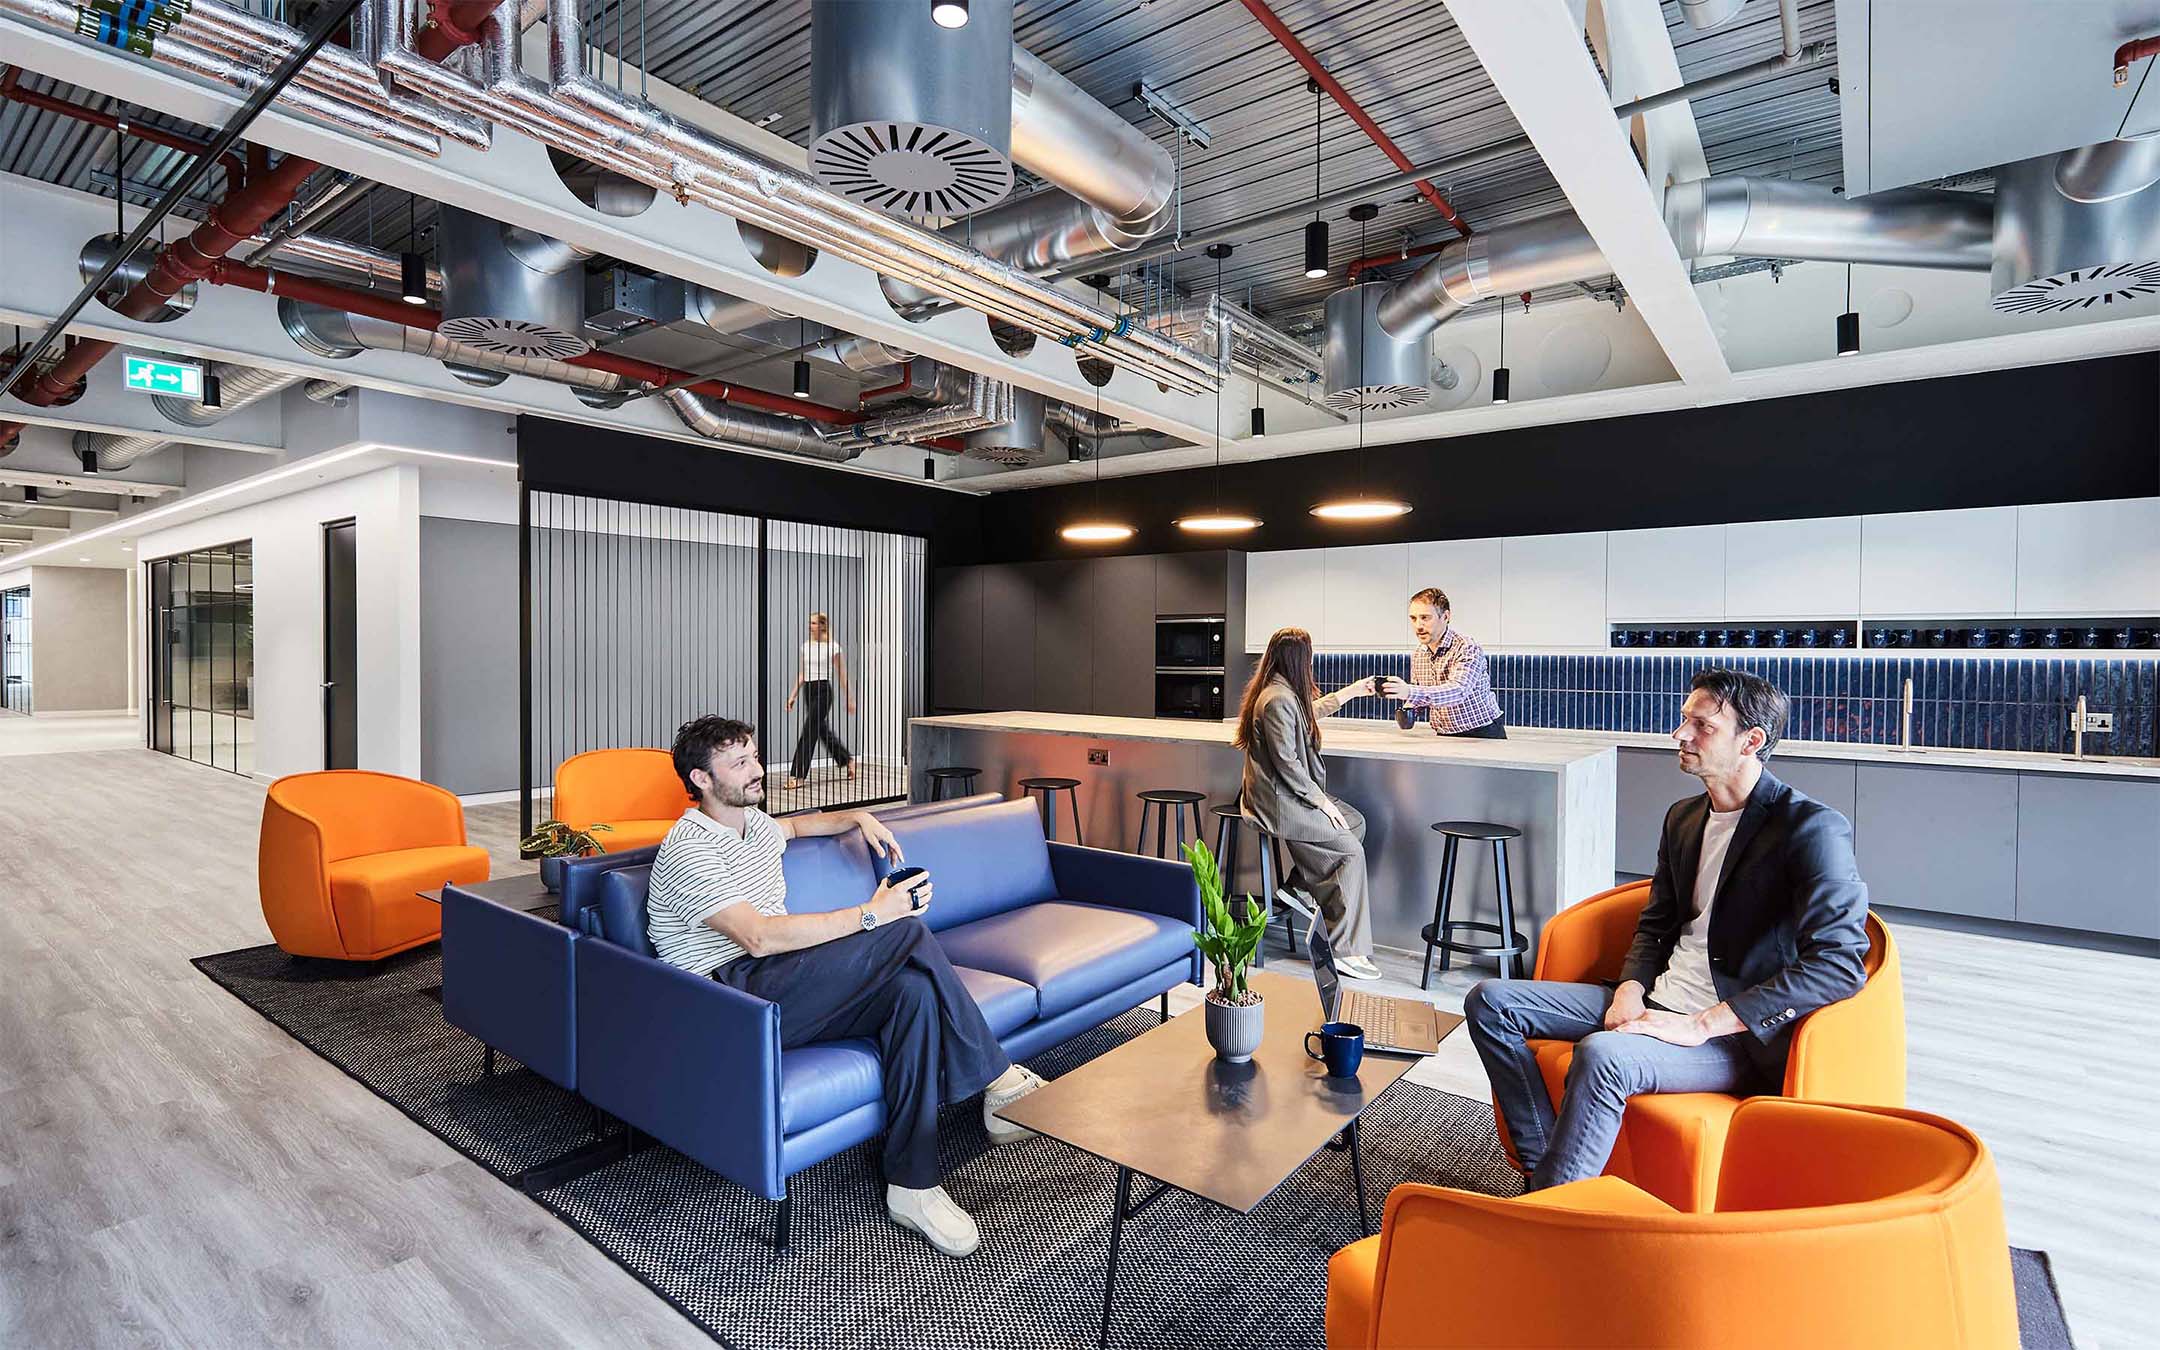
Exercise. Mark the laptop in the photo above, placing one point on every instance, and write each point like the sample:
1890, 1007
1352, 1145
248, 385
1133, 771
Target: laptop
1403, 1026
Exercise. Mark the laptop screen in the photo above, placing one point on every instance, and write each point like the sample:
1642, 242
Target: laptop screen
1323, 970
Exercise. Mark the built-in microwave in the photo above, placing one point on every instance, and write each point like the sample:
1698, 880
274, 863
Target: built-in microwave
1196, 643
1188, 693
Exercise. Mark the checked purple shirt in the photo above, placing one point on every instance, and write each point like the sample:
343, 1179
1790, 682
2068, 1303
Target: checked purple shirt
1453, 685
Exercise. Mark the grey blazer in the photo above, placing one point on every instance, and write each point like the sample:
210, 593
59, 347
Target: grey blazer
1285, 782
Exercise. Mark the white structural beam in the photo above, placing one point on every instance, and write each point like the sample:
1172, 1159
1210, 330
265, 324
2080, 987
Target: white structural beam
1534, 52
80, 482
513, 181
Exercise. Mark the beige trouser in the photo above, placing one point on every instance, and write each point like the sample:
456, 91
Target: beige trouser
1332, 872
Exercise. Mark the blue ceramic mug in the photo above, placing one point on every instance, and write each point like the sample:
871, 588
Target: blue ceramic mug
1342, 1047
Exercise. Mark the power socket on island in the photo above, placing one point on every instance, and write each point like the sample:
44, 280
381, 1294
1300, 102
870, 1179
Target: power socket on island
2095, 721
1098, 756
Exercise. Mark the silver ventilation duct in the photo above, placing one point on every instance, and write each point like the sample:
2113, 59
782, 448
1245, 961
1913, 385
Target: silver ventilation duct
908, 116
986, 404
238, 386
2078, 230
326, 391
509, 290
1017, 443
1366, 368
129, 274
1549, 250
717, 421
1779, 218
335, 334
1702, 14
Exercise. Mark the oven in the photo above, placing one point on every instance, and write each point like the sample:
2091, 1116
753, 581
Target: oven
1180, 692
1192, 643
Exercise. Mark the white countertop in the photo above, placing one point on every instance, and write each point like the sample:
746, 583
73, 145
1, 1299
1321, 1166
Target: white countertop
1352, 738
2027, 761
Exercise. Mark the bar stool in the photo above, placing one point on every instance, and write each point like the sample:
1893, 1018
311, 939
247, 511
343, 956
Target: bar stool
958, 773
1439, 934
1168, 805
1229, 826
1050, 788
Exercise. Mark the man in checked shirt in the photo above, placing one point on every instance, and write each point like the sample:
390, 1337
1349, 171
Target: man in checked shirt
1448, 681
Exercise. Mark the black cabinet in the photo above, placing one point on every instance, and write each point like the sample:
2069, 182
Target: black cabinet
1008, 638
1064, 636
1191, 583
956, 643
1124, 633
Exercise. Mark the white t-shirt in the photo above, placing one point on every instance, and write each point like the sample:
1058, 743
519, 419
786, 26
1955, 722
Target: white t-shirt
1686, 985
702, 868
817, 659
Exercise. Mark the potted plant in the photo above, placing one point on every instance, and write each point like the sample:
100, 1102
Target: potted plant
1235, 1014
554, 841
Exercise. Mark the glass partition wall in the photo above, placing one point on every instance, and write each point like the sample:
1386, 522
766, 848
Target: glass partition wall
15, 650
202, 656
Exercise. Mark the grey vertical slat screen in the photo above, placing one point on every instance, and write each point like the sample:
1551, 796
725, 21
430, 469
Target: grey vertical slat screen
644, 616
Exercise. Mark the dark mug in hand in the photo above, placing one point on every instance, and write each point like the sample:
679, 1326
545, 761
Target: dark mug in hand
1342, 1047
900, 876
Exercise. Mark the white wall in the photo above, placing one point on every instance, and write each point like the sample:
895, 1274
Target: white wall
1562, 592
287, 538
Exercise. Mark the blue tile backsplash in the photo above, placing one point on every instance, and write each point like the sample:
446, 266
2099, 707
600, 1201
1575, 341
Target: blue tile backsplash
1972, 703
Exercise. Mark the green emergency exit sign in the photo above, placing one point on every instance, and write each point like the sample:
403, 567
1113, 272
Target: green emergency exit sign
149, 375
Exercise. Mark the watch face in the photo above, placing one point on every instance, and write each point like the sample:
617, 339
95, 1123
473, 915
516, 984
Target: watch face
869, 921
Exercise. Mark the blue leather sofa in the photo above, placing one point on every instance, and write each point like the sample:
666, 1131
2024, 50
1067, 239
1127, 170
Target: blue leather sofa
1052, 939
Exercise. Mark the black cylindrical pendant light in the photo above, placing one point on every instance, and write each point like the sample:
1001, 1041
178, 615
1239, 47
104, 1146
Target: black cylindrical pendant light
1316, 244
212, 395
1316, 249
802, 363
1500, 372
1848, 323
412, 278
1259, 420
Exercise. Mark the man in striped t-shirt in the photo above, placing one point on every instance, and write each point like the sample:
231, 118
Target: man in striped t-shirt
717, 906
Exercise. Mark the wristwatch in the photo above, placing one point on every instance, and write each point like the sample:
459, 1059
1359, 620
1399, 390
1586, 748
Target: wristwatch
869, 920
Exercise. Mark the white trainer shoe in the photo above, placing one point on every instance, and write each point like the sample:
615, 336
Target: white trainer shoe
1358, 967
1002, 1131
933, 1214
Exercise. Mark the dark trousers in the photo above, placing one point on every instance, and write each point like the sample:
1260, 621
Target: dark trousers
817, 709
1493, 730
894, 986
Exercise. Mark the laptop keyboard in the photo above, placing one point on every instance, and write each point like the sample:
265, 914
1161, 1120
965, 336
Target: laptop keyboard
1376, 1015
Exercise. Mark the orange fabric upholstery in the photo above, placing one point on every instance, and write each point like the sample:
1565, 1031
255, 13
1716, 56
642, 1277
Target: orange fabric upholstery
344, 854
1835, 1225
1670, 1145
634, 792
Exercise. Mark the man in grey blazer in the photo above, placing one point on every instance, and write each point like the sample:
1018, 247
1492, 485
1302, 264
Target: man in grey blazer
1285, 793
1757, 917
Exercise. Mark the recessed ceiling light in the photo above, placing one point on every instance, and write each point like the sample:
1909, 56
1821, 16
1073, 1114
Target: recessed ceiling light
768, 119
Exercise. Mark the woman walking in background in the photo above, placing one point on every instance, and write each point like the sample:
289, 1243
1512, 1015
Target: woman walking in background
821, 662
1285, 793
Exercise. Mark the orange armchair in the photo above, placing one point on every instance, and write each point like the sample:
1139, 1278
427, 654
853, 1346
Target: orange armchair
1834, 1225
344, 855
635, 793
1670, 1144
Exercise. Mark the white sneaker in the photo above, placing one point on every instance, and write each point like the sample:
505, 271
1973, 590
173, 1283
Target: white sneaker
1358, 967
933, 1214
1000, 1130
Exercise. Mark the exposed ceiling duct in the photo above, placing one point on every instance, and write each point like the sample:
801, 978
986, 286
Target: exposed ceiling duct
339, 335
1549, 250
1778, 218
1016, 443
509, 290
2078, 230
717, 421
1703, 14
1366, 368
238, 386
905, 114
986, 403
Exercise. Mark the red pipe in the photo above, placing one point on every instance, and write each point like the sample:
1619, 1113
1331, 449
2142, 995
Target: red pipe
906, 382
1319, 73
11, 88
451, 24
2135, 50
1383, 259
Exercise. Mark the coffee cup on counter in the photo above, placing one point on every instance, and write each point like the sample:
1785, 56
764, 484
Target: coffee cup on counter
1878, 637
1406, 717
1841, 636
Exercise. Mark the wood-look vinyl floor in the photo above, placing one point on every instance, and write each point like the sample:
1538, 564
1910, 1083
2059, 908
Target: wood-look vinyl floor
176, 1171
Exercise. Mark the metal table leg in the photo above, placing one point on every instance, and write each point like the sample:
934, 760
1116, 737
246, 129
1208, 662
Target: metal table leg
1117, 1231
1357, 1173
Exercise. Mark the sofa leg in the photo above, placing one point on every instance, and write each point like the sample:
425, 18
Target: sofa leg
487, 1063
783, 1214
1164, 1005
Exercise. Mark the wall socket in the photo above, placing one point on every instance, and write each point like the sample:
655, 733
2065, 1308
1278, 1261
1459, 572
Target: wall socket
1098, 756
2094, 721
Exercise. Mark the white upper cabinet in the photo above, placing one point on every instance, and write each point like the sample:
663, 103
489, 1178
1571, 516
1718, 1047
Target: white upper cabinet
2089, 559
1469, 571
1362, 599
1793, 569
1553, 591
1283, 589
1666, 574
1939, 564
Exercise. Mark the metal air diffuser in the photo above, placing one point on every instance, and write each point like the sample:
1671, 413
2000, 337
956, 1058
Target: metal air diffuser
2079, 230
1019, 442
510, 291
1367, 369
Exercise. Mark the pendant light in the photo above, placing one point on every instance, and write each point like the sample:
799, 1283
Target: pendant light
1363, 506
1218, 520
1259, 416
802, 363
1096, 527
1316, 242
1500, 372
1848, 323
412, 264
949, 13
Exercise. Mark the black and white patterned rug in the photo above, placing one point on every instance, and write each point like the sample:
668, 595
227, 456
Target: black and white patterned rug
1189, 1273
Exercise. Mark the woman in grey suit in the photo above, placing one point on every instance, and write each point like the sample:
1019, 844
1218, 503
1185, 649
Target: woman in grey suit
1285, 793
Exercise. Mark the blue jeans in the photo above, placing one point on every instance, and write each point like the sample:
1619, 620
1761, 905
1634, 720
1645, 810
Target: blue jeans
1609, 1067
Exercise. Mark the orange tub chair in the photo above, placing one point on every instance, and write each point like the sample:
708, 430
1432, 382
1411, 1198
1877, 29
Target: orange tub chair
1851, 1051
635, 793
344, 855
1834, 1226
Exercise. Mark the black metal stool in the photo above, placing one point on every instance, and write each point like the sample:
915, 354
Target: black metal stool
1440, 932
1050, 788
958, 773
1168, 805
1229, 828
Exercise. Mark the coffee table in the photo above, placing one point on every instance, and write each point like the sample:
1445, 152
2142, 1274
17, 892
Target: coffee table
1161, 1106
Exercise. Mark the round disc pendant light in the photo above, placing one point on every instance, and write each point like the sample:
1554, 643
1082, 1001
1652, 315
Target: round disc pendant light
1096, 527
1364, 505
1217, 520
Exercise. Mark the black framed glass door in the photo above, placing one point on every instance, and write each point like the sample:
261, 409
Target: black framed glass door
202, 656
15, 681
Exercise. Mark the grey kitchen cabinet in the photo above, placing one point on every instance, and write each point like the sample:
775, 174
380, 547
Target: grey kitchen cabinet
1124, 636
1192, 583
1939, 839
1008, 638
1064, 636
2088, 854
956, 643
